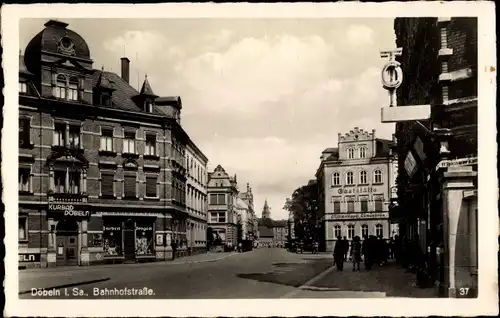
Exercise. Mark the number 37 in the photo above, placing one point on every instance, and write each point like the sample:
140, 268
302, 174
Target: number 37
464, 291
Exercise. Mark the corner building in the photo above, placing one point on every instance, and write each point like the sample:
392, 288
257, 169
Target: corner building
355, 182
102, 169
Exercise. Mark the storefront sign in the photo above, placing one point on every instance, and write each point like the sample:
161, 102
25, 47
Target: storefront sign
457, 162
29, 257
348, 190
358, 216
111, 228
144, 228
68, 210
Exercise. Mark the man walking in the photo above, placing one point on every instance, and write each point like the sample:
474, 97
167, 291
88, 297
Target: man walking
338, 254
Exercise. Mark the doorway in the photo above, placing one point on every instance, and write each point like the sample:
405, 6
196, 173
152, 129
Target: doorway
129, 240
67, 243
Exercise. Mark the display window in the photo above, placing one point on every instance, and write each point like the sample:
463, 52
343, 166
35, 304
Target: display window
112, 239
144, 240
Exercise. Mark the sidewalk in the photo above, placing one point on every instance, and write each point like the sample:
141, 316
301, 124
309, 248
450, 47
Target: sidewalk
389, 279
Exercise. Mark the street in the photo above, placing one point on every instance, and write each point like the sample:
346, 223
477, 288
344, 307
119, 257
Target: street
262, 273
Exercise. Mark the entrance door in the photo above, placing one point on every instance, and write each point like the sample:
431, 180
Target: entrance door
129, 241
67, 243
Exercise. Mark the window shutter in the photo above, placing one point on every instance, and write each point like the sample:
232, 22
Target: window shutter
107, 184
129, 186
151, 187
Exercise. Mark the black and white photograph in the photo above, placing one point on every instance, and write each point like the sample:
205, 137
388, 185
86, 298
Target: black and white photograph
277, 159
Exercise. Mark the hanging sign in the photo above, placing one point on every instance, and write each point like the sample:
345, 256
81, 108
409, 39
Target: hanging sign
457, 162
410, 164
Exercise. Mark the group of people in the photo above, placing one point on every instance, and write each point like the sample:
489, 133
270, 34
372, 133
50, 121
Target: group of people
372, 250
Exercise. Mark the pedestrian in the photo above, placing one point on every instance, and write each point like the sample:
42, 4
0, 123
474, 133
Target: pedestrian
345, 243
338, 254
368, 250
174, 249
356, 253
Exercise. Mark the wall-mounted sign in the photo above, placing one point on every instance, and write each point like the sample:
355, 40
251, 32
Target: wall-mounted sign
68, 210
410, 164
349, 190
457, 162
29, 257
358, 216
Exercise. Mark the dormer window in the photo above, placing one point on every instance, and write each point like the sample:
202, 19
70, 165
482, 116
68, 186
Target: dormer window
23, 87
149, 106
105, 99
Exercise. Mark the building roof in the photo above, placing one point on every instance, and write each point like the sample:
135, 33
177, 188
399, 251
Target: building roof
146, 88
265, 231
280, 223
22, 66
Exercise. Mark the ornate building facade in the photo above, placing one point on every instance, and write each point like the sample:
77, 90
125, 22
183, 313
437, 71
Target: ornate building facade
355, 182
102, 169
250, 220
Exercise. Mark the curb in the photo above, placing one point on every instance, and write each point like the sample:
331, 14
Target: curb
204, 261
69, 285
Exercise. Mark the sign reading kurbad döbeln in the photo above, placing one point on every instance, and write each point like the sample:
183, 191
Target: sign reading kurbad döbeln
60, 210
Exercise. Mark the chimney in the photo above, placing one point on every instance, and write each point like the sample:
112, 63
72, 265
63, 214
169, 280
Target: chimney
125, 69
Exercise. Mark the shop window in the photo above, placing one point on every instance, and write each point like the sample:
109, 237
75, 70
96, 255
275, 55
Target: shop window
379, 230
23, 87
151, 189
362, 177
377, 176
144, 240
106, 140
112, 238
350, 231
364, 203
337, 229
364, 230
129, 143
23, 229
150, 146
107, 184
24, 132
335, 179
24, 180
129, 185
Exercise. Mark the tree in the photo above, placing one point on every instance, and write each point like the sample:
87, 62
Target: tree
304, 206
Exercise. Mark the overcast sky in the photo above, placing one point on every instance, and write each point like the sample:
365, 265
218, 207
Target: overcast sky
263, 98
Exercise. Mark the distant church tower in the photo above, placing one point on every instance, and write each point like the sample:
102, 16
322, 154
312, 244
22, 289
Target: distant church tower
266, 212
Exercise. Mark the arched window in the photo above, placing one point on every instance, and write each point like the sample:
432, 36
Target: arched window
350, 178
379, 230
73, 88
350, 153
60, 89
335, 179
350, 231
364, 230
377, 176
362, 177
362, 152
337, 231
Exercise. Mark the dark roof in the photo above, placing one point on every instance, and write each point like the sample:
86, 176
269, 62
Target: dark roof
170, 101
280, 223
104, 82
331, 150
22, 66
265, 231
146, 88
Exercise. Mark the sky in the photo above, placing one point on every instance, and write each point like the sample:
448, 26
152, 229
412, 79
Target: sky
261, 97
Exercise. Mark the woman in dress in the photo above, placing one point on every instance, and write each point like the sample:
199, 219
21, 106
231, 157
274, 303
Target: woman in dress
356, 253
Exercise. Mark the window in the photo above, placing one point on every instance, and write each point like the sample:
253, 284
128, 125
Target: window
144, 239
379, 200
350, 178
213, 217
379, 230
74, 137
106, 140
362, 152
350, 231
23, 229
59, 136
60, 88
350, 153
107, 183
364, 203
336, 204
24, 180
24, 132
350, 204
23, 87
222, 217
129, 143
377, 176
362, 177
74, 182
336, 179
149, 106
73, 89
112, 237
59, 181
129, 186
151, 186
217, 199
337, 230
150, 146
364, 230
